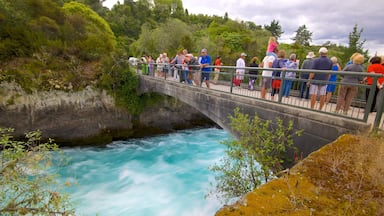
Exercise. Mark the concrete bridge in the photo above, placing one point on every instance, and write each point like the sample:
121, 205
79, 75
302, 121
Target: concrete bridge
219, 101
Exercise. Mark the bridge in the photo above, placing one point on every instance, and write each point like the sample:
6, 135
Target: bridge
220, 100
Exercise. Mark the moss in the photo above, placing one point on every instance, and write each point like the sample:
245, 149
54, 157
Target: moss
342, 178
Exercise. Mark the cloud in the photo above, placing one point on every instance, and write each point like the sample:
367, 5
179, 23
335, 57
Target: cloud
326, 19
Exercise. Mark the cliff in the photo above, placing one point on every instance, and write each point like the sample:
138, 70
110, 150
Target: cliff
89, 116
343, 178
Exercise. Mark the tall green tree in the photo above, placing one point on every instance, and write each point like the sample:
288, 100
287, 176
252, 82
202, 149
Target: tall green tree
169, 37
303, 36
254, 157
355, 43
274, 28
28, 183
165, 9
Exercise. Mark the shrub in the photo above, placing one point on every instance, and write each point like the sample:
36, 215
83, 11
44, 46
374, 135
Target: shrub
254, 157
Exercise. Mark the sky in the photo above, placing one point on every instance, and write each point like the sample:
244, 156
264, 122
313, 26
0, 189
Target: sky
328, 20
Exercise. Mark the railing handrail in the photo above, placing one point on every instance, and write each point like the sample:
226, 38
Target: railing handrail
352, 73
230, 70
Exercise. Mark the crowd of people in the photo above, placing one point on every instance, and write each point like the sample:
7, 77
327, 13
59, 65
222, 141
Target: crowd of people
313, 86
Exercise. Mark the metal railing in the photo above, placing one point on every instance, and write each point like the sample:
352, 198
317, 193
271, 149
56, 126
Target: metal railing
359, 109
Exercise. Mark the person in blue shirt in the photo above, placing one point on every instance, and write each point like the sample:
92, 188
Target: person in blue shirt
331, 87
320, 87
205, 62
290, 75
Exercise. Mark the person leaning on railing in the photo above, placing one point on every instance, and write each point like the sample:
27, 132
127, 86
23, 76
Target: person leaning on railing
307, 64
319, 88
374, 67
193, 67
347, 92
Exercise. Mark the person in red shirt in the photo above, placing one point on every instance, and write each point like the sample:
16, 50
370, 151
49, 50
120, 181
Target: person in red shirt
374, 67
217, 69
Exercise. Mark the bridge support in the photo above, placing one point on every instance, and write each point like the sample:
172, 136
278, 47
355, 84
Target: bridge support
319, 128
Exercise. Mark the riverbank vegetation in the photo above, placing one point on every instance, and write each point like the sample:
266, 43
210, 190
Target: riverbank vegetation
342, 178
254, 157
28, 184
68, 45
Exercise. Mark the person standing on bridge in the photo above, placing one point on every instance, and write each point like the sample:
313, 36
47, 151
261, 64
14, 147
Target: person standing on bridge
186, 69
289, 75
240, 68
331, 87
374, 67
347, 92
205, 62
217, 69
307, 64
319, 88
193, 67
266, 81
177, 61
253, 73
159, 65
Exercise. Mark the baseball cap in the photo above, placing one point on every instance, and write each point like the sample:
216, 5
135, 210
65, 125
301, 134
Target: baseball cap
323, 50
204, 50
243, 54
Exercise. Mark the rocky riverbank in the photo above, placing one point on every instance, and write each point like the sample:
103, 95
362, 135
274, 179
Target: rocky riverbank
342, 178
90, 116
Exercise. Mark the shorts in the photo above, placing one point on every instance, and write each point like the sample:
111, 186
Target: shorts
204, 75
317, 89
266, 82
331, 88
276, 84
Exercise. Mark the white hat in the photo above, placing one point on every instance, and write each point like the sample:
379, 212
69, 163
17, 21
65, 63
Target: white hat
243, 54
311, 55
323, 50
189, 55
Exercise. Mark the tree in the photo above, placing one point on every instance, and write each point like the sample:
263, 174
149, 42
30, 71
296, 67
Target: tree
162, 39
274, 28
254, 157
303, 36
28, 184
97, 39
355, 45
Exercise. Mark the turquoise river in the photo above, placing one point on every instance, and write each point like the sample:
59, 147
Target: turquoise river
165, 175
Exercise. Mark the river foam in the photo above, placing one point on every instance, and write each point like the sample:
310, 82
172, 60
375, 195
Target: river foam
159, 176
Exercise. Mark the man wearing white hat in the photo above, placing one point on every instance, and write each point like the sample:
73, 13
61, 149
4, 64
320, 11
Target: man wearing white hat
240, 68
307, 64
319, 88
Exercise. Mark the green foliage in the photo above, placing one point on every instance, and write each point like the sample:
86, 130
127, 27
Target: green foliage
355, 44
122, 82
254, 157
303, 36
46, 46
163, 39
274, 28
99, 39
28, 184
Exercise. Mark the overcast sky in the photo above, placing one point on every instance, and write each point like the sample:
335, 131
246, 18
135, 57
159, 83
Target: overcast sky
328, 20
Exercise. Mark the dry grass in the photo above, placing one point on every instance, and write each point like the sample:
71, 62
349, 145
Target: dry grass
345, 177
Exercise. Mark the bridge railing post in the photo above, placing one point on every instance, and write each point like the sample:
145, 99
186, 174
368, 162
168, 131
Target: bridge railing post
370, 99
232, 79
379, 110
281, 86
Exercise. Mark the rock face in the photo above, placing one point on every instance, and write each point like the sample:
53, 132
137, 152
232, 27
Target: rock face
89, 116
